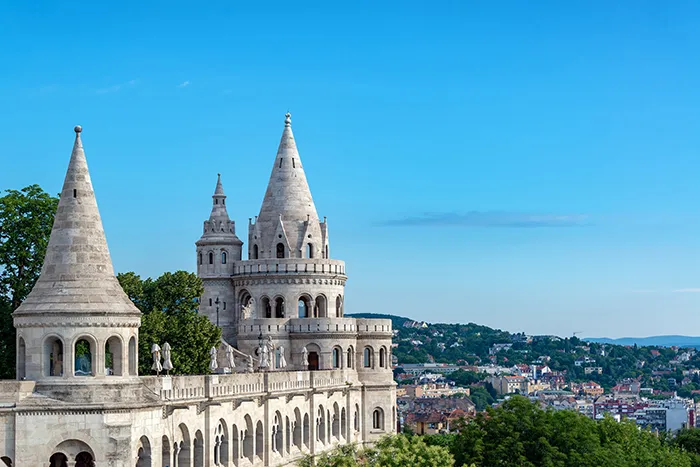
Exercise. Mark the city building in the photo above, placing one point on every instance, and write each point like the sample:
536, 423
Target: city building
308, 378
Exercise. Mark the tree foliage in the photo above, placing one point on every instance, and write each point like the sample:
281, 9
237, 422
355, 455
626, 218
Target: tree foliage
390, 451
26, 218
519, 433
169, 306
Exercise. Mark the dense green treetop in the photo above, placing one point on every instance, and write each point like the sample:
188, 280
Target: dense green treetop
26, 218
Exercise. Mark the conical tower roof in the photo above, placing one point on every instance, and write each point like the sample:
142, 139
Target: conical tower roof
77, 276
288, 197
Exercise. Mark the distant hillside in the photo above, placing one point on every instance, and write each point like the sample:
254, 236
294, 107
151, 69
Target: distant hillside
659, 341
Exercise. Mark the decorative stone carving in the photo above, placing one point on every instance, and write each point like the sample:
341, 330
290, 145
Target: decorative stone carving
155, 351
167, 364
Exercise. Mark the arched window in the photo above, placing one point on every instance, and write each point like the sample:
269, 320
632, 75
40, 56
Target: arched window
382, 358
223, 257
367, 357
309, 250
255, 251
321, 307
53, 357
211, 258
113, 356
338, 307
337, 357
83, 358
303, 307
378, 419
200, 259
266, 308
21, 359
279, 307
350, 355
327, 252
280, 250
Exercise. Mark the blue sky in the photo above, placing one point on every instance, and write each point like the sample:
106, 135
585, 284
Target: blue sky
528, 166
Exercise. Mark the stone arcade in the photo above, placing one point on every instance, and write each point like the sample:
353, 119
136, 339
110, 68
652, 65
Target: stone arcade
319, 379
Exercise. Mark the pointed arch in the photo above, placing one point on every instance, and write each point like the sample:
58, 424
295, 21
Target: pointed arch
280, 250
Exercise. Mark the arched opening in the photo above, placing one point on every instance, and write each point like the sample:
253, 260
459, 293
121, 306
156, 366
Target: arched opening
84, 459
58, 460
266, 308
183, 453
236, 437
256, 252
200, 259
248, 439
368, 357
83, 352
259, 440
223, 257
350, 357
222, 445
113, 356
303, 307
382, 357
6, 460
356, 418
335, 431
133, 357
378, 419
309, 250
211, 258
327, 255
165, 459
53, 356
338, 307
305, 433
280, 250
144, 453
279, 307
343, 424
321, 310
277, 433
393, 419
321, 425
287, 435
313, 361
21, 359
198, 449
337, 357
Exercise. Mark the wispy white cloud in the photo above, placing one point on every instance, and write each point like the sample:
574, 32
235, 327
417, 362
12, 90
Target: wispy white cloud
117, 87
690, 290
476, 219
184, 84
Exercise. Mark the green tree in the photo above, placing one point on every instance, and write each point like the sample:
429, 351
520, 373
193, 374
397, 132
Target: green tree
26, 218
170, 316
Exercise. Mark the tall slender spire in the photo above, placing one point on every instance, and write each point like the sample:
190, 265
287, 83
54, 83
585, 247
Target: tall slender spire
288, 198
77, 275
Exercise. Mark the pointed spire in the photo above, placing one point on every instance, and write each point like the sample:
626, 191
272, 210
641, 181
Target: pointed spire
77, 275
288, 195
219, 187
218, 208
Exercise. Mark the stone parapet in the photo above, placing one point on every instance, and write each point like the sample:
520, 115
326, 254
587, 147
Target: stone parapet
289, 266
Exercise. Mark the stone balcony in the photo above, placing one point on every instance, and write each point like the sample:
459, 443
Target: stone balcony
289, 266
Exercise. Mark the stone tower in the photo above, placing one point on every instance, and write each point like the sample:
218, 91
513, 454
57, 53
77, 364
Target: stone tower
217, 251
77, 325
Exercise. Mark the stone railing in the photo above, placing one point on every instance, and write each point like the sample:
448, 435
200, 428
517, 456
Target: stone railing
283, 326
193, 388
289, 266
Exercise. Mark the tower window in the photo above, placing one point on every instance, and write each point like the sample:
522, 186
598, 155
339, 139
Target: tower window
224, 305
280, 162
223, 257
280, 250
255, 251
216, 201
309, 250
293, 163
200, 258
211, 303
75, 193
211, 258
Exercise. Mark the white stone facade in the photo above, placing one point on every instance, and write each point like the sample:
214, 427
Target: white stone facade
69, 410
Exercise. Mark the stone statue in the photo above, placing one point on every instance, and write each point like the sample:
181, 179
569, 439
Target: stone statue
230, 357
270, 351
283, 361
264, 357
248, 310
157, 367
167, 364
249, 365
213, 365
304, 357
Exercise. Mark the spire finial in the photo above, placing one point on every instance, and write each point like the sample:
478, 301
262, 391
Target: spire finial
287, 119
78, 128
